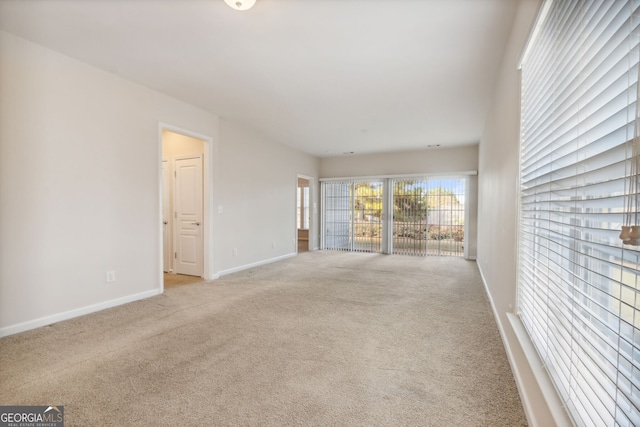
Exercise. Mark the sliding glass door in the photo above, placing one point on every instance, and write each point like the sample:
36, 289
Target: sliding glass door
410, 216
425, 216
445, 217
428, 216
352, 215
336, 215
367, 220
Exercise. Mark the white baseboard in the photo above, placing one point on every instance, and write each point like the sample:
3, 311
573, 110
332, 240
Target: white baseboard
254, 264
66, 315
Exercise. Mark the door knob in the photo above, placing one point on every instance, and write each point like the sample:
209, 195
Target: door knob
165, 222
195, 223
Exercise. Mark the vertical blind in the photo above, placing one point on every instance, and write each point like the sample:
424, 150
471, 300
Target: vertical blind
578, 289
425, 216
446, 212
352, 215
428, 216
336, 215
410, 227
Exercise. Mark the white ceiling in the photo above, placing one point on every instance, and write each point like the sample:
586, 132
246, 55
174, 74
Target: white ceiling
323, 76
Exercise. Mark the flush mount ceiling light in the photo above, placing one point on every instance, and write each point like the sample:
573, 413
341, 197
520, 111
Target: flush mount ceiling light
240, 4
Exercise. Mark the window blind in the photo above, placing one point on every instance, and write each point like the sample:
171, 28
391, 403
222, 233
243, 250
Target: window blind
336, 215
578, 289
428, 216
352, 215
421, 216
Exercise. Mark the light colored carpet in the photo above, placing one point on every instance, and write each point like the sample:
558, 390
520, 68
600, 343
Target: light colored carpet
323, 339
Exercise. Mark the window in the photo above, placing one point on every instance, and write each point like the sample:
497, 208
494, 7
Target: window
578, 289
302, 212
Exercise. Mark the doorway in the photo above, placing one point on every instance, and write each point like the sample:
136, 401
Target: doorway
303, 213
182, 204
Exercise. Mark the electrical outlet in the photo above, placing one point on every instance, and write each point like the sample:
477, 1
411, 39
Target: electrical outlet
235, 251
273, 245
111, 276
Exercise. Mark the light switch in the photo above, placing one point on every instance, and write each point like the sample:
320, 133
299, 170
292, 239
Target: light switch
220, 209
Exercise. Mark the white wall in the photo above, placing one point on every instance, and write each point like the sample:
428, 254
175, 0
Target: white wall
430, 161
257, 180
497, 210
437, 160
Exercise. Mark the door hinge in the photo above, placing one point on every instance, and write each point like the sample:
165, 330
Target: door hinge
175, 255
175, 174
175, 215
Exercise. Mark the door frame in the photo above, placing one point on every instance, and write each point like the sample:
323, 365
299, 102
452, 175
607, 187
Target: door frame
169, 225
207, 199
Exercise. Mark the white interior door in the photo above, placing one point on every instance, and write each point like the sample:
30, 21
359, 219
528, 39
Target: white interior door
188, 215
166, 216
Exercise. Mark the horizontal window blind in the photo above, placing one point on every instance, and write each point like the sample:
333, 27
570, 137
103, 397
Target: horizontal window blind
578, 290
